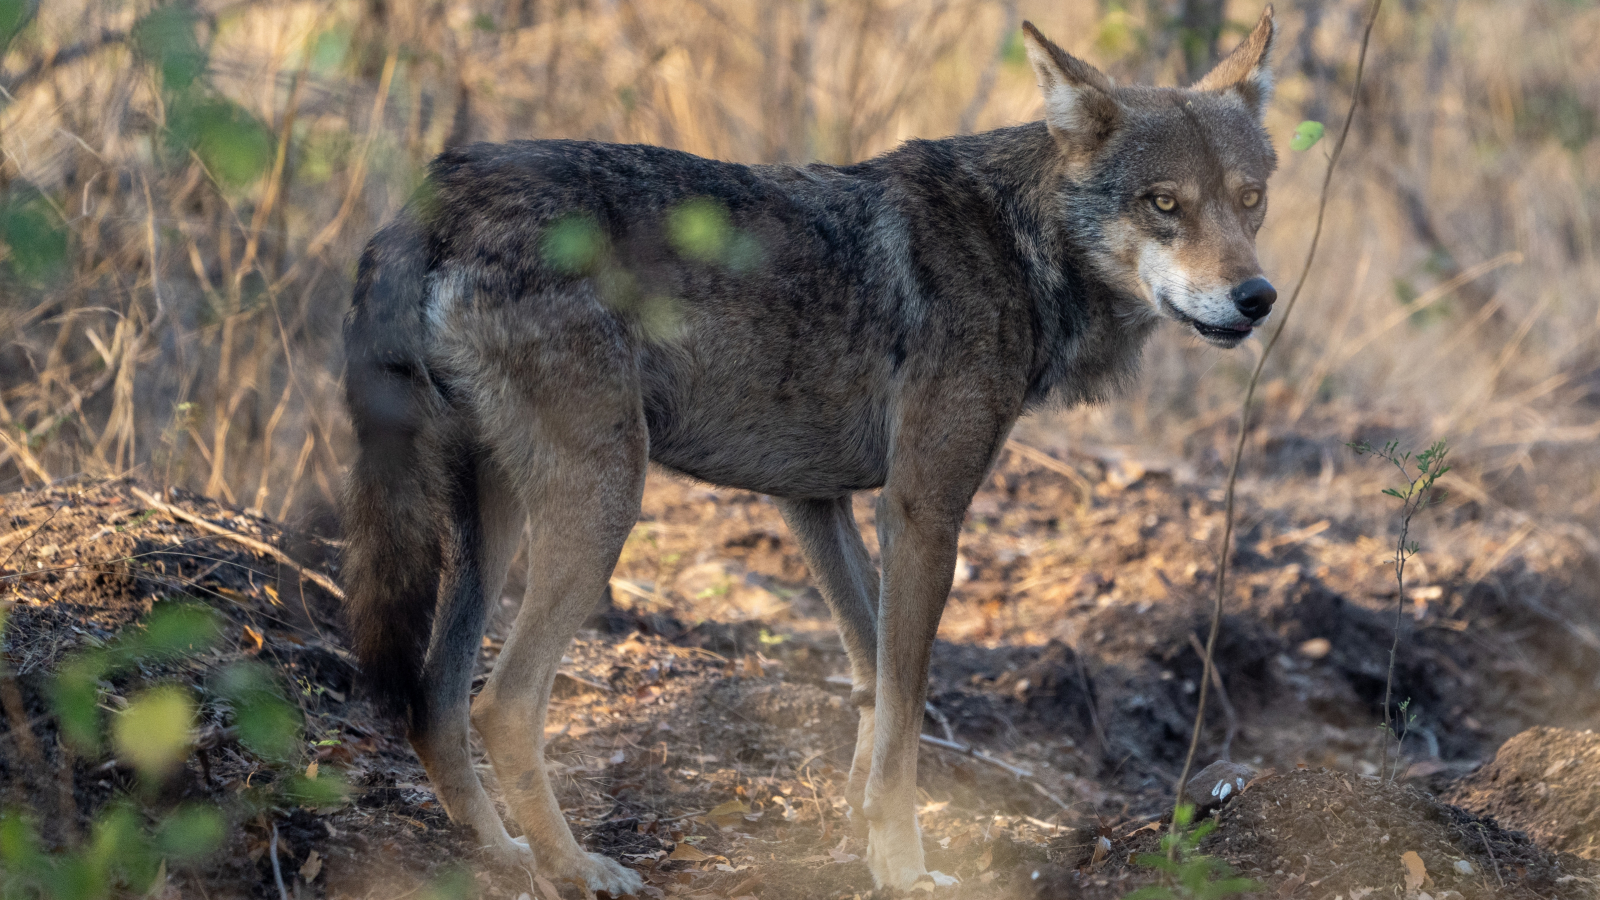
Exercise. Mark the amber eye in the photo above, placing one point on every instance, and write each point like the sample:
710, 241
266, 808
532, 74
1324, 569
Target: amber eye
1164, 203
1250, 198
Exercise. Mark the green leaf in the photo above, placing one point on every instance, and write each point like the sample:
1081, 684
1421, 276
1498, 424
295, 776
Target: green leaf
154, 731
1306, 135
35, 238
1156, 861
268, 725
14, 15
174, 630
191, 832
166, 37
19, 844
700, 229
75, 695
572, 244
234, 146
327, 789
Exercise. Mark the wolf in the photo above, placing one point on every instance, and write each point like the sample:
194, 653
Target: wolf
548, 318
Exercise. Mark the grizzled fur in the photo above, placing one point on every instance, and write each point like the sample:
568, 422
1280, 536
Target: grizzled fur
839, 329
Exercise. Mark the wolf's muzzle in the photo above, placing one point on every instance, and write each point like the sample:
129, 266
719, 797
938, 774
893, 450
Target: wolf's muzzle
1254, 298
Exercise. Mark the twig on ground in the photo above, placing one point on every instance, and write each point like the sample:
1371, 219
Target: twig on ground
316, 578
1249, 397
942, 719
1093, 704
1492, 861
277, 869
1041, 458
975, 753
31, 535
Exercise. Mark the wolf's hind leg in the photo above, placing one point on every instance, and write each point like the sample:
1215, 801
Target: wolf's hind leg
831, 542
486, 526
579, 458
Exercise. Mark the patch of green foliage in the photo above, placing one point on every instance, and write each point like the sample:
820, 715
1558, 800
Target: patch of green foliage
1188, 874
1417, 476
133, 840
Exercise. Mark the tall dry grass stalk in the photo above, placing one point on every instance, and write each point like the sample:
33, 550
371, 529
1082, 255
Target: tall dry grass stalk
187, 330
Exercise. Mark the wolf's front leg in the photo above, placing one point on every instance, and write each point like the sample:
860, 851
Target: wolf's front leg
919, 557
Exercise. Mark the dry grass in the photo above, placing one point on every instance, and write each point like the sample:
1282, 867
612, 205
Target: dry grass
189, 333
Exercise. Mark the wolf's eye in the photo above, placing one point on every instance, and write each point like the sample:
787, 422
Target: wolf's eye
1164, 203
1250, 198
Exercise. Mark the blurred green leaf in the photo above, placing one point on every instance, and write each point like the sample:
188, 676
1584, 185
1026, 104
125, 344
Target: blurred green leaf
154, 731
327, 789
700, 229
484, 22
572, 244
235, 147
1015, 52
1306, 135
457, 884
166, 37
34, 236
14, 14
268, 725
191, 832
329, 50
120, 851
75, 694
19, 843
175, 629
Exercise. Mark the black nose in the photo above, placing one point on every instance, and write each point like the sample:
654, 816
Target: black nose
1254, 298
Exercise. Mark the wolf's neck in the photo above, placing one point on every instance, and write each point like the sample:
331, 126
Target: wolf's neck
1087, 345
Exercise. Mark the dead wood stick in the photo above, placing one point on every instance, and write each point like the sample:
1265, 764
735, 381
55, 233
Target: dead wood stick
277, 869
316, 578
943, 720
975, 753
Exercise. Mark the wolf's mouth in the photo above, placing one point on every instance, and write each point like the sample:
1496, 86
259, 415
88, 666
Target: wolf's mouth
1223, 335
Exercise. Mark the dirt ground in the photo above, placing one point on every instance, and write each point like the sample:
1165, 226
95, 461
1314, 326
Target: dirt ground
701, 731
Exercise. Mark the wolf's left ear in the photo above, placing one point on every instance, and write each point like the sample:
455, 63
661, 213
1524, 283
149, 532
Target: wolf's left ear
1078, 104
1245, 69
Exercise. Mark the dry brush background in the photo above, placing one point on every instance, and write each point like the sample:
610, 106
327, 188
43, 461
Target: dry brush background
186, 188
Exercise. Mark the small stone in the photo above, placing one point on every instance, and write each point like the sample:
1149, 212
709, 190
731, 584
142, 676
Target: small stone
1217, 783
1316, 648
1464, 868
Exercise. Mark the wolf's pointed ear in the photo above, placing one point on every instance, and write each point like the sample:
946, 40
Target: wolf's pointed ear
1078, 104
1245, 69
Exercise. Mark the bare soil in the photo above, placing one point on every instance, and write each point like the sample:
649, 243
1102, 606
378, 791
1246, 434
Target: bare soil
1546, 782
701, 729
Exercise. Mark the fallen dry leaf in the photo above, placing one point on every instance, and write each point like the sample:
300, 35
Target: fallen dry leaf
313, 865
1416, 872
688, 853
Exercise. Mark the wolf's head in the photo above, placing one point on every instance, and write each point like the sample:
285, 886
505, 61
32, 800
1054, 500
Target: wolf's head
1167, 186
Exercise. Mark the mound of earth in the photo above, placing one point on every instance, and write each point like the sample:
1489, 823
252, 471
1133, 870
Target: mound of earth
1323, 834
1545, 781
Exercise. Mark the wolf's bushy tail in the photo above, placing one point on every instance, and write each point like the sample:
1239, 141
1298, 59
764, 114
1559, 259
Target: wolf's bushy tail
396, 498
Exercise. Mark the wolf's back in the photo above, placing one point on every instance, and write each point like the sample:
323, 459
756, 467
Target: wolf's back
395, 499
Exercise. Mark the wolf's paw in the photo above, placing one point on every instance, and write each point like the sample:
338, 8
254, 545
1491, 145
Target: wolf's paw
513, 853
895, 859
602, 873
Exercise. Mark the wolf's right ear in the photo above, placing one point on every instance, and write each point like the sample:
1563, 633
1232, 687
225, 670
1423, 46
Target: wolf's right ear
1079, 108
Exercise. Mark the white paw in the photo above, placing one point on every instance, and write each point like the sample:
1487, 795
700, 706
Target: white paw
602, 873
894, 856
931, 880
513, 853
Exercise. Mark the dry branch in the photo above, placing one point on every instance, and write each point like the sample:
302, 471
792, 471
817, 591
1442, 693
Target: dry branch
316, 578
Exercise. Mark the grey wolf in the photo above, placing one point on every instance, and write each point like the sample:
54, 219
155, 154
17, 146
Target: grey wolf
549, 317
